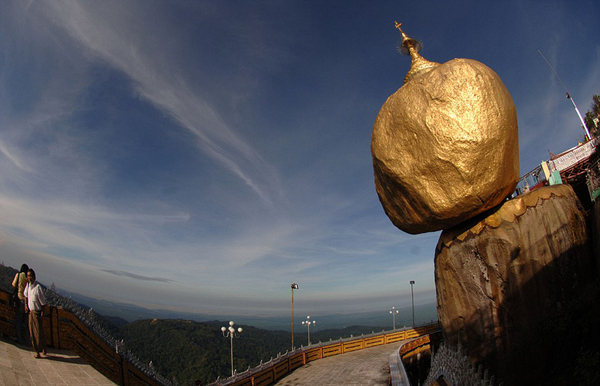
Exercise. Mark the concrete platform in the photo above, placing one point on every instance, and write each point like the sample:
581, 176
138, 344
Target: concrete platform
18, 367
363, 367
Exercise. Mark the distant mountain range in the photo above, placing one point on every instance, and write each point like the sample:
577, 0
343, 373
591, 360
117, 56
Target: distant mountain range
191, 347
424, 313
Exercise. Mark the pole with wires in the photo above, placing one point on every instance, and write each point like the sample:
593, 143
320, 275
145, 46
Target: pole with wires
587, 132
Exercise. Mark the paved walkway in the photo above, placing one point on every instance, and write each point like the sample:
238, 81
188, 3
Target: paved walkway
18, 367
363, 367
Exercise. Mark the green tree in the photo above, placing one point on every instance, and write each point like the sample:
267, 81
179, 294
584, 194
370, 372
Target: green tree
592, 117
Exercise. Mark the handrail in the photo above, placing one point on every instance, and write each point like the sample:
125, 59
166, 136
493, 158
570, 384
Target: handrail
77, 330
268, 373
398, 374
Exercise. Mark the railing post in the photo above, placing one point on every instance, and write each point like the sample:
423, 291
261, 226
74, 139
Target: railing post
123, 368
55, 327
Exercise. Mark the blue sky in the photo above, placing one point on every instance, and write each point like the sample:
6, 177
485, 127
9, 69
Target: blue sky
202, 156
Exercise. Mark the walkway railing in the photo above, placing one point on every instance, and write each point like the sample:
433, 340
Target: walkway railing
268, 373
74, 330
408, 353
453, 365
441, 362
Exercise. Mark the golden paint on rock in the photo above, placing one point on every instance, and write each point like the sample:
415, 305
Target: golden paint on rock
498, 276
508, 212
445, 145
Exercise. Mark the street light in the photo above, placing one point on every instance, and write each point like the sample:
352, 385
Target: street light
412, 294
231, 333
294, 286
307, 323
394, 312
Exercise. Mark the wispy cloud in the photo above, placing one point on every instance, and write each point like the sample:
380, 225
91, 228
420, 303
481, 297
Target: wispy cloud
65, 208
135, 276
83, 230
13, 158
112, 37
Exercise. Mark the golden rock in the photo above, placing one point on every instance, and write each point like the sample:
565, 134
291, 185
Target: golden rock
444, 145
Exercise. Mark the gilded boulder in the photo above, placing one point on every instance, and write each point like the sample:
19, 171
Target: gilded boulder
445, 145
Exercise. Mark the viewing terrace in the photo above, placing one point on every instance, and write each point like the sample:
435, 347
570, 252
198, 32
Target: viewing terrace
18, 367
80, 354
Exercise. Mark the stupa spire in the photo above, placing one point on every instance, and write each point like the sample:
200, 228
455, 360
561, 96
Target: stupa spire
410, 46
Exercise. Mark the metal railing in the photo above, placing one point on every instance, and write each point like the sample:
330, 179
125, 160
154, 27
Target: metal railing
448, 363
452, 364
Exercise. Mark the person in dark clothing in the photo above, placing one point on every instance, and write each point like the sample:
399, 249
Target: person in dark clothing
19, 282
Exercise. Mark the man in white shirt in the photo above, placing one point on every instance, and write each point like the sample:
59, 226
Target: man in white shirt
34, 305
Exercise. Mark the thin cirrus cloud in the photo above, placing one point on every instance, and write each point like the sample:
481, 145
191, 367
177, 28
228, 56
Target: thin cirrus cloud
159, 82
136, 276
16, 160
95, 229
77, 227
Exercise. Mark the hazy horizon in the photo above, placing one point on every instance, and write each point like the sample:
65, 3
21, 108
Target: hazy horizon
377, 318
424, 313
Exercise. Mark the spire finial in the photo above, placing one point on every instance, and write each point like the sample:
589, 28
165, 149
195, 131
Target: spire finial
398, 25
410, 46
408, 42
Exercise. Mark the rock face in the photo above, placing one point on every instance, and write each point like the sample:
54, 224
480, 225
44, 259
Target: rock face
445, 145
499, 275
596, 233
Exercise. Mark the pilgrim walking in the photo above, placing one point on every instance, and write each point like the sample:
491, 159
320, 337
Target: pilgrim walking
19, 283
35, 307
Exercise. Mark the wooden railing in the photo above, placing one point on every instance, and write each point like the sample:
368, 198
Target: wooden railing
270, 372
64, 330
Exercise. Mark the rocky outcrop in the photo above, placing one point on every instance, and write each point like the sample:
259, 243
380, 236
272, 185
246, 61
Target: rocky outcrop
500, 274
595, 230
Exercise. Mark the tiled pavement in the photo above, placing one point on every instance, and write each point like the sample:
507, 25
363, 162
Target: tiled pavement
363, 367
18, 367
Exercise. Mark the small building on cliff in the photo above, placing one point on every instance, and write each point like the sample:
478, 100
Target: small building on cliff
578, 167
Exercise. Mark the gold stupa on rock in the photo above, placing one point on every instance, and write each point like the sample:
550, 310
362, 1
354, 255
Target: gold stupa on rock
445, 144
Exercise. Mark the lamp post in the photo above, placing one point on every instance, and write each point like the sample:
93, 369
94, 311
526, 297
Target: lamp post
231, 333
294, 286
307, 323
412, 294
394, 312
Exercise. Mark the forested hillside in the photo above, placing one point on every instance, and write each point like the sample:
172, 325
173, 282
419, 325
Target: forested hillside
7, 274
191, 350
